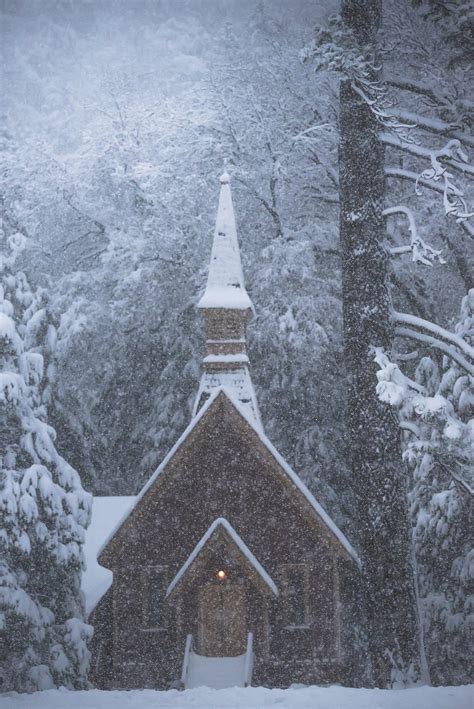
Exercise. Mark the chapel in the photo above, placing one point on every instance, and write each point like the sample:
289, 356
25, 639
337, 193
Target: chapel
226, 569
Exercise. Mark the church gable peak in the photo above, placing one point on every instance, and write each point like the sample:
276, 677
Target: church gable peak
223, 406
223, 529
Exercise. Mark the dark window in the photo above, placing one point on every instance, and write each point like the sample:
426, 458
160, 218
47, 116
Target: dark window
154, 590
295, 588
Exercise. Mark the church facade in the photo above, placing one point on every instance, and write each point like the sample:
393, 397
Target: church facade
225, 553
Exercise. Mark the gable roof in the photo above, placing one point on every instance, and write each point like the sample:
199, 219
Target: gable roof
298, 483
289, 473
222, 523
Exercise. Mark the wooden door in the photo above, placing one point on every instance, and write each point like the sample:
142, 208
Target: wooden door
222, 620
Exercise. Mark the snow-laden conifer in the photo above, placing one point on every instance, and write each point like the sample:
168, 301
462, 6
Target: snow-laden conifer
43, 508
436, 410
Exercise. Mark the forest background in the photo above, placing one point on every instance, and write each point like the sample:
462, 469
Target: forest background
119, 116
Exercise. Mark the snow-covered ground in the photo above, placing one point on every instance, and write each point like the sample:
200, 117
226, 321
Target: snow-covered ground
252, 698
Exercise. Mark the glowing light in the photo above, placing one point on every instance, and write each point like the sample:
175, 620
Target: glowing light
221, 575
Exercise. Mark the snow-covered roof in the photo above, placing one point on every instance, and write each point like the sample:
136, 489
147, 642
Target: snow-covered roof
238, 358
299, 485
221, 522
296, 480
106, 512
225, 283
158, 471
237, 381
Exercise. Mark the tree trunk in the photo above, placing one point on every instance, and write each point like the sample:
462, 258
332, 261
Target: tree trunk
380, 481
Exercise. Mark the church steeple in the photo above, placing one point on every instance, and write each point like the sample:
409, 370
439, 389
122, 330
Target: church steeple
226, 308
225, 287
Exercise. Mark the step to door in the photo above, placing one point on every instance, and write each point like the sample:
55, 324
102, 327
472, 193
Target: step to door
216, 672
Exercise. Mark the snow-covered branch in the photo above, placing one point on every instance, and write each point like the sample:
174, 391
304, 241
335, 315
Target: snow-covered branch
404, 174
374, 95
433, 125
428, 333
450, 154
417, 87
436, 344
409, 426
445, 336
421, 251
435, 408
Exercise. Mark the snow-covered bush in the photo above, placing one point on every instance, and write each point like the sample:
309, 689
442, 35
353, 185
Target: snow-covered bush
43, 508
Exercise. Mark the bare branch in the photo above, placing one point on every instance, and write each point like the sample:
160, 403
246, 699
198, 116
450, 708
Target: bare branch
270, 209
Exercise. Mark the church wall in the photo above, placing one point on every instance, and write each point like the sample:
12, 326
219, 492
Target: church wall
224, 472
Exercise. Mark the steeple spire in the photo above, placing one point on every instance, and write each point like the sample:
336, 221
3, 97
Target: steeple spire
225, 284
226, 308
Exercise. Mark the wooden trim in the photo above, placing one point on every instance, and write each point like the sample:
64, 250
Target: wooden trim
250, 572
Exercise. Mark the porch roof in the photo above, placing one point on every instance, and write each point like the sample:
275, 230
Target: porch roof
250, 558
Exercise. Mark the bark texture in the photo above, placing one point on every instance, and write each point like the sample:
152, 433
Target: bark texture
380, 482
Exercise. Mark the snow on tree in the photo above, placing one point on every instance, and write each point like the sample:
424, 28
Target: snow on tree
121, 219
419, 138
378, 474
436, 412
43, 508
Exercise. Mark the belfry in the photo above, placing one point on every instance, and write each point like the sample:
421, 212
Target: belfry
226, 569
226, 308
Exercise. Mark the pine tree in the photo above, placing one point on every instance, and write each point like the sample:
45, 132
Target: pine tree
43, 508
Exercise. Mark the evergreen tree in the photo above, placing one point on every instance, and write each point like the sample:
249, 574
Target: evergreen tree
436, 410
43, 508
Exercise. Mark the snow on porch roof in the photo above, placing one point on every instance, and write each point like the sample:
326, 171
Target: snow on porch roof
238, 541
